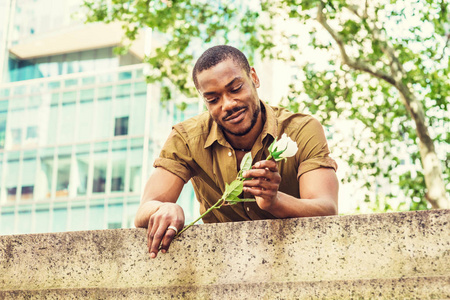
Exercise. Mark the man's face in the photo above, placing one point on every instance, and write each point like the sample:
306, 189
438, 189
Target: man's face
231, 97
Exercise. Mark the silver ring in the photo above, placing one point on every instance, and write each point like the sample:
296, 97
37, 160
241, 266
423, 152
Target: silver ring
173, 228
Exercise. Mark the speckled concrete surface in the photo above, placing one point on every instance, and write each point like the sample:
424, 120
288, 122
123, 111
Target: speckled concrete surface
295, 259
403, 288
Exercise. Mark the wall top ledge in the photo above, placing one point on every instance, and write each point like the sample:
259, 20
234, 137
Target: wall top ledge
352, 247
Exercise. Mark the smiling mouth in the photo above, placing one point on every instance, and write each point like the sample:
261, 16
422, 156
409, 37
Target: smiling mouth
235, 116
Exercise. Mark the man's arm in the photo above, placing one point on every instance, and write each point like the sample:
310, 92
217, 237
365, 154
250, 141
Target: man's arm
158, 210
318, 192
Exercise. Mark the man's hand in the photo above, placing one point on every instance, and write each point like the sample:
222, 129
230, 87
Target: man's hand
158, 210
265, 183
159, 235
318, 191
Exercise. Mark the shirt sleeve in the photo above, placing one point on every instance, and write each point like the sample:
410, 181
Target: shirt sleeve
313, 148
176, 157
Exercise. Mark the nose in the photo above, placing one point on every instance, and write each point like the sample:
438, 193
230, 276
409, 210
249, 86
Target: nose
229, 102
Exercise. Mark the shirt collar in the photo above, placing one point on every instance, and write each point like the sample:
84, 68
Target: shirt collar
270, 127
215, 134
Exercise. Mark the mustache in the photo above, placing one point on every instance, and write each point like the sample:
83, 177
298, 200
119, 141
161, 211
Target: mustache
232, 111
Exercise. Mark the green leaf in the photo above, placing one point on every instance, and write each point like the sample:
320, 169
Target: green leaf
233, 199
236, 200
234, 189
246, 162
271, 145
277, 154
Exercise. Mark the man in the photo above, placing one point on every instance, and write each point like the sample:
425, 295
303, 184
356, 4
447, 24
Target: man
208, 149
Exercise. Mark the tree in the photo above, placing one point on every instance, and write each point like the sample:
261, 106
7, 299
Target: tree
388, 70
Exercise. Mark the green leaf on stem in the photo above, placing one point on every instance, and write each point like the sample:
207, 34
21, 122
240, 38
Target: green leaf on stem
246, 162
234, 189
237, 200
233, 200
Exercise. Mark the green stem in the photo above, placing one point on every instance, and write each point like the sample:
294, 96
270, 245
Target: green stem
215, 206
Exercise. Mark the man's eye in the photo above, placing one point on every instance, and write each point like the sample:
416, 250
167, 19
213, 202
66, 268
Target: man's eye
213, 100
237, 89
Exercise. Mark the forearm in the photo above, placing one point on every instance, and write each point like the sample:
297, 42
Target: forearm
162, 185
287, 206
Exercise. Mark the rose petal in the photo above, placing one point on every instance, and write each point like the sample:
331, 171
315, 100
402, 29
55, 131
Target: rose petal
291, 149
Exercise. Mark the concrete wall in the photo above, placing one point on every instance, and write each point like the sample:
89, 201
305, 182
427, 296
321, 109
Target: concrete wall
382, 256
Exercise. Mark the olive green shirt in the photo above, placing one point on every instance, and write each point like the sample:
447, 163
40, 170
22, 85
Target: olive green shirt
197, 150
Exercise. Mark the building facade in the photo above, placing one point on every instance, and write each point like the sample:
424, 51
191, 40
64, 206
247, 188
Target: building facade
79, 125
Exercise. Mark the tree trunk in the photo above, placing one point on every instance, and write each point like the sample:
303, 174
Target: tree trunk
436, 194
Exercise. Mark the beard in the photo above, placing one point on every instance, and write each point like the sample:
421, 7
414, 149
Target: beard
244, 131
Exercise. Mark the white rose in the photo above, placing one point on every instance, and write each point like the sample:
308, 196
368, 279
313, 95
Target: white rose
291, 148
285, 144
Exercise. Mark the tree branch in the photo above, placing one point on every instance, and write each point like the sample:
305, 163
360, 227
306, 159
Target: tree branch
353, 63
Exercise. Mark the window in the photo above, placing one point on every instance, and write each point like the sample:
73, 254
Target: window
119, 158
135, 165
115, 213
12, 193
99, 180
32, 132
42, 218
3, 118
63, 175
85, 116
29, 166
138, 115
7, 220
12, 180
114, 225
60, 216
121, 127
96, 214
45, 174
78, 215
103, 120
81, 169
32, 135
16, 136
52, 124
24, 215
67, 124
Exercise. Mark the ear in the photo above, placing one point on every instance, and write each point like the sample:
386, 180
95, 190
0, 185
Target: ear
254, 77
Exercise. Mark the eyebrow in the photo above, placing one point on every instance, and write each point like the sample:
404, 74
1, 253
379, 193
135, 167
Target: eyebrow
232, 81
227, 85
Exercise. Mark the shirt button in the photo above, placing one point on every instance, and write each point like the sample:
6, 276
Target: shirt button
229, 153
248, 208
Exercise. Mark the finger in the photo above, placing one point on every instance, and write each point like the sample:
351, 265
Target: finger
157, 237
269, 164
168, 237
261, 184
253, 187
261, 192
262, 174
149, 235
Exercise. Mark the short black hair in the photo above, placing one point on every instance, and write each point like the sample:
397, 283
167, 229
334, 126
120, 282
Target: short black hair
216, 55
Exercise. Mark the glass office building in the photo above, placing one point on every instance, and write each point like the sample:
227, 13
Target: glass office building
79, 129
